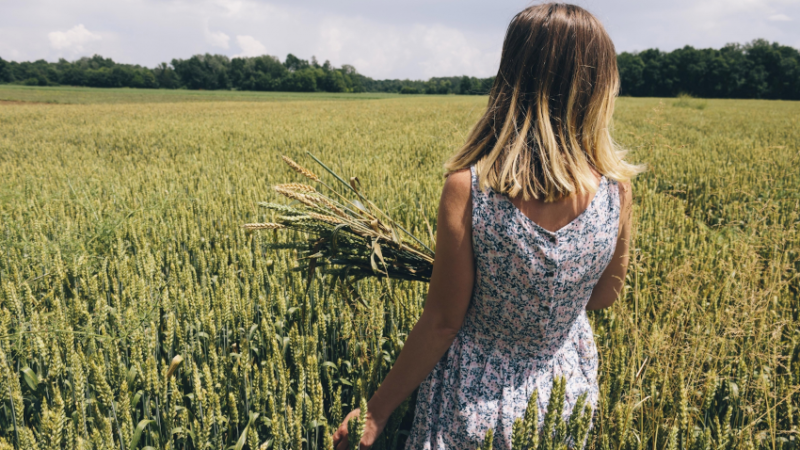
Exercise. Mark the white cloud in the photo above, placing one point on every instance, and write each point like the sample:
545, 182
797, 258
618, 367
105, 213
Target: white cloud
231, 6
637, 26
72, 39
418, 51
216, 38
450, 51
250, 46
780, 18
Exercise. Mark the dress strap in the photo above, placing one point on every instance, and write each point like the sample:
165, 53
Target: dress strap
478, 196
474, 177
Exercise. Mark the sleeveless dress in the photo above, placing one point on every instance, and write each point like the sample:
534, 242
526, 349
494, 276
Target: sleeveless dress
526, 322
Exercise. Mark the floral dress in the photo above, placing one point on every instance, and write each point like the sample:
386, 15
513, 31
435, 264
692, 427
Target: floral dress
526, 322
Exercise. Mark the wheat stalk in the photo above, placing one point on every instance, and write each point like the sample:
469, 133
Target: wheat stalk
355, 238
263, 226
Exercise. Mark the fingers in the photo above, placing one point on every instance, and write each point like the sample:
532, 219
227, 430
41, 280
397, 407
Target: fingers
367, 440
340, 438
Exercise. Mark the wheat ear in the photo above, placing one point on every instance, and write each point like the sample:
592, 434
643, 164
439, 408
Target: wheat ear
297, 187
300, 169
263, 226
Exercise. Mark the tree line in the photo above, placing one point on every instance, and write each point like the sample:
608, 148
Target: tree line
754, 70
209, 72
758, 69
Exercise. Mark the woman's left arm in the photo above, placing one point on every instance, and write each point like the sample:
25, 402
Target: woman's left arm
446, 305
612, 281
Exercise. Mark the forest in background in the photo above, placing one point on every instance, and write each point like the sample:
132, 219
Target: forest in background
757, 69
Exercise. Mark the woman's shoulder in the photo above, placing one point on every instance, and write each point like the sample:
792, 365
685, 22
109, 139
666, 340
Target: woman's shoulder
623, 187
457, 188
625, 191
458, 182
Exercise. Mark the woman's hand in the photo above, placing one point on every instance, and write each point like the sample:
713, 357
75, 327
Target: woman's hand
372, 429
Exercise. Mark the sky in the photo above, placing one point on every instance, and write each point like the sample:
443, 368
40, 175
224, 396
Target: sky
415, 39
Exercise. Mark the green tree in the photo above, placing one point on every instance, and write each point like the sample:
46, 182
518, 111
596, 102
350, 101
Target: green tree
465, 85
631, 68
332, 81
5, 71
294, 63
300, 81
203, 71
166, 77
260, 73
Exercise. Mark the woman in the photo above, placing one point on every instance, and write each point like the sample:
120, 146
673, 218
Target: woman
533, 229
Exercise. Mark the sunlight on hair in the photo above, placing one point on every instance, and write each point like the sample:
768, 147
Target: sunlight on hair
549, 113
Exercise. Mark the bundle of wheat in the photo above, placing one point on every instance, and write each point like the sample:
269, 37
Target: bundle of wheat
345, 237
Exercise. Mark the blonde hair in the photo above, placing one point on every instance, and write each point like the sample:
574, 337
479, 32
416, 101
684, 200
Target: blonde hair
547, 122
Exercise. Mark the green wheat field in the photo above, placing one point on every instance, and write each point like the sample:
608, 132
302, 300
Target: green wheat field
136, 313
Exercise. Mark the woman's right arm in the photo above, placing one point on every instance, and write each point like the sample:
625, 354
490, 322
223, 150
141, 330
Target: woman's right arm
612, 281
446, 304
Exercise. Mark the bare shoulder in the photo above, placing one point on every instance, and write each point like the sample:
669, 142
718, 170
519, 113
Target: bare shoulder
457, 187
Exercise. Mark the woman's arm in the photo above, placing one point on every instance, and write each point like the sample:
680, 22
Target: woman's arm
612, 281
446, 305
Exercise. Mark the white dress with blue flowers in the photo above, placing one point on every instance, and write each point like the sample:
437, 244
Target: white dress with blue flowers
526, 322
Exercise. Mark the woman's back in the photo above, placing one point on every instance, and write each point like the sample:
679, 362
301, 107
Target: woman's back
529, 280
526, 322
552, 216
506, 307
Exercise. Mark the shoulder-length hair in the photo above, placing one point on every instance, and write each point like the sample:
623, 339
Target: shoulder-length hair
547, 122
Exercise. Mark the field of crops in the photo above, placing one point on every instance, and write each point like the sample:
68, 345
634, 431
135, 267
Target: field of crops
82, 95
135, 312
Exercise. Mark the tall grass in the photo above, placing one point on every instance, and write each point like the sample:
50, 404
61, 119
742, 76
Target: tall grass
137, 313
